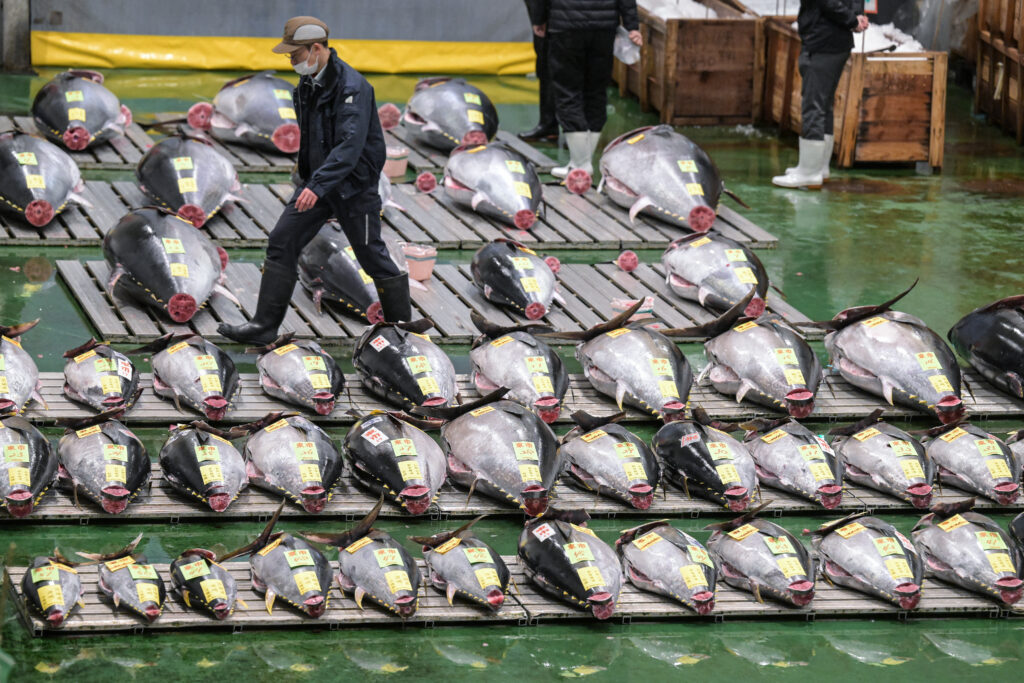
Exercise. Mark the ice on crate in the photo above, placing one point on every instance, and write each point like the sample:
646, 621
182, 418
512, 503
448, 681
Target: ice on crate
678, 9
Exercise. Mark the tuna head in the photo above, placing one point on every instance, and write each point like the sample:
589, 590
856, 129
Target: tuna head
989, 338
715, 271
792, 458
706, 462
512, 275
495, 181
401, 365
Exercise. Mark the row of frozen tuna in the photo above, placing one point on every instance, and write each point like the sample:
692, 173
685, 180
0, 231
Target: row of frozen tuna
564, 559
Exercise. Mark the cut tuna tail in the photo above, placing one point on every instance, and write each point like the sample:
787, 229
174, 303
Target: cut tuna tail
115, 499
475, 137
628, 261
800, 403
426, 182
1010, 589
950, 409
76, 138
801, 593
908, 595
389, 116
701, 218
193, 214
181, 307
578, 181
755, 308
19, 503
548, 408
218, 502
704, 602
535, 500
602, 605
200, 115
215, 407
642, 495
416, 499
286, 138
39, 212
524, 219
920, 496
831, 496
535, 310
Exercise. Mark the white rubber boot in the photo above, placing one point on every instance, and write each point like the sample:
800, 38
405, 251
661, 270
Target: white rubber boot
580, 154
826, 161
808, 171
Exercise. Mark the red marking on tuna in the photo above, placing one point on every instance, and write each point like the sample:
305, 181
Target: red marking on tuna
193, 214
495, 598
672, 411
801, 592
200, 115
524, 219
375, 313
920, 495
215, 407
406, 605
578, 181
115, 499
219, 502
314, 498
755, 308
222, 254
535, 310
535, 500
701, 218
548, 408
416, 499
152, 613
1010, 589
286, 138
602, 605
181, 307
389, 116
909, 595
426, 182
323, 402
126, 116
6, 405
1007, 492
436, 401
950, 409
704, 602
475, 137
39, 212
76, 138
628, 261
831, 496
221, 611
315, 605
553, 263
642, 496
737, 498
800, 403
19, 503
55, 619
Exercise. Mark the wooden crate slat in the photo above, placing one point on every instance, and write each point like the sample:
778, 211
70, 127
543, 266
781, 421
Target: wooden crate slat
92, 299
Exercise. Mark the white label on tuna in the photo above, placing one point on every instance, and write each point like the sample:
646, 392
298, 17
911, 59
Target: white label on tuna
379, 343
375, 436
543, 532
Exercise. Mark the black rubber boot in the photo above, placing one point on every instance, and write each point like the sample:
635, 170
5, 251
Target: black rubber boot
394, 298
542, 132
276, 288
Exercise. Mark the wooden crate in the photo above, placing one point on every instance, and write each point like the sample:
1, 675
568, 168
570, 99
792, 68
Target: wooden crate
890, 107
999, 87
1001, 19
698, 71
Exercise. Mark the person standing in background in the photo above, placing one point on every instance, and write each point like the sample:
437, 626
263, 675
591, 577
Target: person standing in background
546, 129
581, 35
826, 30
341, 154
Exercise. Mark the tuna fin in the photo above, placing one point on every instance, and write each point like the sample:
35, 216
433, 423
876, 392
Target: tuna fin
615, 323
184, 596
859, 426
829, 527
78, 199
444, 537
260, 541
717, 326
242, 602
453, 412
954, 508
472, 488
735, 197
745, 386
115, 598
702, 294
244, 128
620, 393
268, 600
226, 293
756, 590
588, 422
78, 350
639, 205
36, 396
280, 341
491, 330
359, 596
849, 316
123, 552
577, 516
14, 331
73, 423
557, 296
430, 126
887, 388
348, 537
739, 521
162, 343
177, 400
938, 431
450, 592
628, 535
704, 374
478, 199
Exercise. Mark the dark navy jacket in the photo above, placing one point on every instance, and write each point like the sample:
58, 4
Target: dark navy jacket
826, 25
342, 150
579, 15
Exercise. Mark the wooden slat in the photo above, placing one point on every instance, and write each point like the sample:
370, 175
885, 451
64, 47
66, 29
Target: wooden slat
120, 154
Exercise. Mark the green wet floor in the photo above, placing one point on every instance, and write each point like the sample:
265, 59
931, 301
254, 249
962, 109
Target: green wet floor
867, 236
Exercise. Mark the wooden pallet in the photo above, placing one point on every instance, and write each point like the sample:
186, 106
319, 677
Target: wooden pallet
448, 299
425, 158
120, 153
527, 606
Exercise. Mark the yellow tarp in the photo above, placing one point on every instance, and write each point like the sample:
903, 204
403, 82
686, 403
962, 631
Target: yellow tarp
112, 51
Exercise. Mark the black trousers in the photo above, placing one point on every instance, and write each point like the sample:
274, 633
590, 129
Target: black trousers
359, 218
581, 67
820, 73
541, 47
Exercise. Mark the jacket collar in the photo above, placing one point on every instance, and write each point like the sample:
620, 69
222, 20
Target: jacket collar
328, 78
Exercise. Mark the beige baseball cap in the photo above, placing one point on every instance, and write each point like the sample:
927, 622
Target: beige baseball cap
299, 32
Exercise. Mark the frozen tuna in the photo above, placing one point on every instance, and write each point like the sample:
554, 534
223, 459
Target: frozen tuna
75, 109
511, 275
300, 373
447, 112
398, 363
792, 458
203, 584
52, 588
192, 371
460, 564
128, 582
715, 271
201, 463
19, 376
28, 468
495, 181
256, 110
39, 179
661, 559
100, 377
991, 338
971, 459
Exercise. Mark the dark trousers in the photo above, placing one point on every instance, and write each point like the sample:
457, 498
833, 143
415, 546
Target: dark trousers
581, 67
359, 218
820, 73
547, 93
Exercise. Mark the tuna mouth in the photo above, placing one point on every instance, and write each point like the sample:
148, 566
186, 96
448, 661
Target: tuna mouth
416, 499
737, 498
375, 313
535, 310
315, 605
548, 408
578, 181
7, 405
181, 307
1007, 492
215, 407
76, 138
524, 219
200, 115
831, 495
152, 613
426, 182
115, 499
628, 261
801, 592
39, 212
495, 598
113, 402
677, 281
55, 619
406, 606
602, 605
701, 218
535, 500
219, 502
704, 602
193, 214
314, 499
1010, 589
389, 116
221, 610
909, 595
286, 138
436, 401
475, 137
755, 308
950, 409
920, 495
642, 496
323, 402
19, 503
673, 410
800, 403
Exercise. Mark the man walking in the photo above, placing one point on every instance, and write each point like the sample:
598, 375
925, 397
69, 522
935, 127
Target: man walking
825, 42
341, 155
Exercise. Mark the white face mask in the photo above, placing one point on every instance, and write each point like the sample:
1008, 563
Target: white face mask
305, 68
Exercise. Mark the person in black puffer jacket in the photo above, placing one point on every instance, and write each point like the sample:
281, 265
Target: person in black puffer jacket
581, 34
826, 30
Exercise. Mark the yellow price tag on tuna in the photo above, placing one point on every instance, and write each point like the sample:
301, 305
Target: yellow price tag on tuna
820, 471
320, 380
851, 529
786, 356
213, 589
27, 159
35, 182
50, 595
790, 567
524, 450
179, 270
647, 540
187, 185
700, 242
447, 545
953, 434
177, 347
19, 476
5, 388
735, 255
661, 366
310, 473
471, 98
312, 363
142, 571
619, 332
529, 473
594, 435
954, 522
928, 361
779, 545
695, 189
110, 384
282, 94
634, 470
403, 447
898, 568
47, 572
148, 592
940, 383
902, 448
990, 540
635, 139
194, 570
874, 322
745, 326
742, 532
89, 431
536, 364
794, 376
487, 577
365, 277
773, 436
428, 385
693, 576
211, 473
523, 189
74, 96
76, 114
1001, 562
286, 112
590, 577
578, 552
481, 411
361, 543
727, 474
912, 469
998, 469
410, 469
477, 555
543, 384
397, 580
719, 450
746, 276
211, 384
388, 557
501, 341
811, 451
987, 447
514, 166
418, 364
475, 116
866, 434
520, 263
182, 163
668, 389
626, 449
116, 473
285, 349
120, 563
887, 545
687, 165
207, 453
529, 284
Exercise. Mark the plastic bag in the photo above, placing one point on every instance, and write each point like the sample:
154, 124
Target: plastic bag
624, 49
